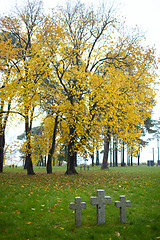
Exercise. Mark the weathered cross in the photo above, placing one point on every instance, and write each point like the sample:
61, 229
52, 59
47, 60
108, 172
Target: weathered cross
100, 201
122, 204
77, 206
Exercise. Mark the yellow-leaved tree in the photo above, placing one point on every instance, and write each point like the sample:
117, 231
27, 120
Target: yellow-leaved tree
92, 80
105, 78
30, 64
8, 85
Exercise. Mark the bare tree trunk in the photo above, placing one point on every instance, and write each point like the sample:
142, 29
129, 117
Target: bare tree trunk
28, 163
92, 157
97, 158
51, 151
71, 155
131, 159
138, 158
71, 162
2, 144
122, 156
106, 152
49, 163
75, 159
116, 154
41, 161
2, 133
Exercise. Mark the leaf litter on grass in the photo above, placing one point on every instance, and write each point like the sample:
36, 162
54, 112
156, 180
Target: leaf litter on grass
54, 192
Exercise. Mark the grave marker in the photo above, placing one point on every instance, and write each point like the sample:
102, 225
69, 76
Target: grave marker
100, 202
77, 206
122, 204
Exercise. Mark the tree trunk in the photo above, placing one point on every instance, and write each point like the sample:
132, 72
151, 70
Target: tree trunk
25, 160
49, 163
41, 161
97, 158
2, 144
45, 161
122, 156
92, 157
51, 151
70, 163
138, 158
28, 163
116, 155
71, 154
131, 159
75, 158
106, 152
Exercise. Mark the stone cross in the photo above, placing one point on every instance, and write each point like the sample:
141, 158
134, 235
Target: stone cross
77, 206
100, 202
122, 204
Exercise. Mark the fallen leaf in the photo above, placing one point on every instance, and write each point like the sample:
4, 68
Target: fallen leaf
148, 226
28, 222
117, 234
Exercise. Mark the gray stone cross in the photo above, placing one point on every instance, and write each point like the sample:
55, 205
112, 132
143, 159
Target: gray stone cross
122, 204
77, 206
100, 202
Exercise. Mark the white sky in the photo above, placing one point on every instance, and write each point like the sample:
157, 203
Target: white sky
144, 13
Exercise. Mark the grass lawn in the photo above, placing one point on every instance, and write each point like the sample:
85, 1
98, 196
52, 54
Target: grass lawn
37, 207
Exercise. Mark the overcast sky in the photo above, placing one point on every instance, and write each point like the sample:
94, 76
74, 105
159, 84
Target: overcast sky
144, 13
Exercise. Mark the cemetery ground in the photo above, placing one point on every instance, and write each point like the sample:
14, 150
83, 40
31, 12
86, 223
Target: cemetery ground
37, 207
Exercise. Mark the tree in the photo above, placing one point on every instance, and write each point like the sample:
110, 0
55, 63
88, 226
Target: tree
7, 86
29, 63
100, 73
133, 96
68, 62
93, 79
52, 148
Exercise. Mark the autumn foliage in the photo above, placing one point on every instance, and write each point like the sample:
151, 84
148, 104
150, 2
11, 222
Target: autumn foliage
91, 77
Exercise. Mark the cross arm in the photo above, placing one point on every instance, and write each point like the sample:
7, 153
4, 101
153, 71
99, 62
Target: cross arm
107, 200
93, 200
83, 205
117, 204
72, 205
128, 203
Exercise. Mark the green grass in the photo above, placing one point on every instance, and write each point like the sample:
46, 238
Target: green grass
36, 207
